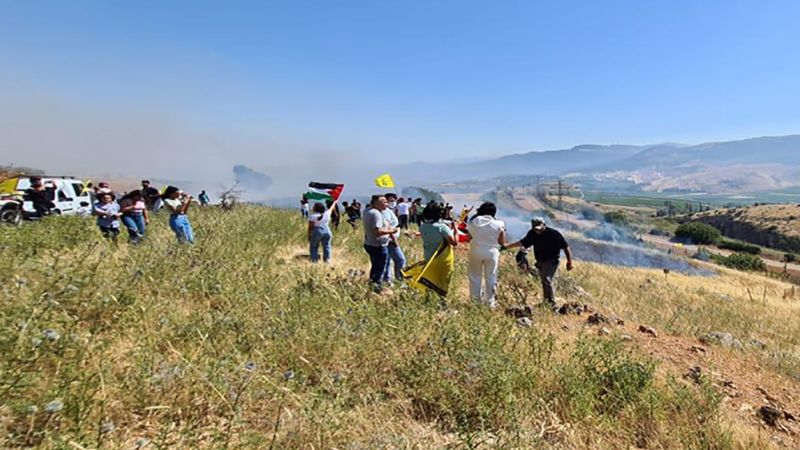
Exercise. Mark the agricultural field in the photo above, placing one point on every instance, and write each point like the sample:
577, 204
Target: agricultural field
238, 342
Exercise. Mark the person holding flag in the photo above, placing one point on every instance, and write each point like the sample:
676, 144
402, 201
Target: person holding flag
323, 192
438, 239
319, 231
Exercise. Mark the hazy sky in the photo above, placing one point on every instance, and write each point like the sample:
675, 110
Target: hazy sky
198, 86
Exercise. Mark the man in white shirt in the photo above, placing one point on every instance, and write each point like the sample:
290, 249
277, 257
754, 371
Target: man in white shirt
396, 255
402, 211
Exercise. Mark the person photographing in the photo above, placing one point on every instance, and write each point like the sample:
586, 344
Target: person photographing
177, 203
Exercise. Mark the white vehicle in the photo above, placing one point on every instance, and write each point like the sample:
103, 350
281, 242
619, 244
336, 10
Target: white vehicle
69, 193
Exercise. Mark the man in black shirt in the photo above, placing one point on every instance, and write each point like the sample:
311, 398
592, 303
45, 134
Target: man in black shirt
41, 196
547, 245
152, 197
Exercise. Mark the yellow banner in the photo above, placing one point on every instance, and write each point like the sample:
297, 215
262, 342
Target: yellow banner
433, 274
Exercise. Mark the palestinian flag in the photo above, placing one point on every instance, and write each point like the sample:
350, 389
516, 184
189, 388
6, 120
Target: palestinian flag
324, 191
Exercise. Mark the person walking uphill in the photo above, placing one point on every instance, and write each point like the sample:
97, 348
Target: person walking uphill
152, 197
377, 234
319, 231
177, 204
488, 235
134, 215
547, 245
107, 211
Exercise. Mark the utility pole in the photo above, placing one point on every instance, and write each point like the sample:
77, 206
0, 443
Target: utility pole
560, 195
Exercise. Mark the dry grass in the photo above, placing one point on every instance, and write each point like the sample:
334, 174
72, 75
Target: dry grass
239, 343
783, 219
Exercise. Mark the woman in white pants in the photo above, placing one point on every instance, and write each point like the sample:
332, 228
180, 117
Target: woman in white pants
488, 234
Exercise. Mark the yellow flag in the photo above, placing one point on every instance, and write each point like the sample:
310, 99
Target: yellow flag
9, 186
85, 186
384, 181
433, 274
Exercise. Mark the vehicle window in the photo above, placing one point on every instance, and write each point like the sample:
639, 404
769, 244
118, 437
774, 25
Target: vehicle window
62, 196
78, 188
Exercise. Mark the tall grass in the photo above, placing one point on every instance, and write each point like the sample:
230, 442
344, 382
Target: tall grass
237, 343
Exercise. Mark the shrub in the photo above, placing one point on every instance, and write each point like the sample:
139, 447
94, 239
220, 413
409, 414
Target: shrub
741, 261
702, 255
603, 379
616, 217
699, 233
739, 246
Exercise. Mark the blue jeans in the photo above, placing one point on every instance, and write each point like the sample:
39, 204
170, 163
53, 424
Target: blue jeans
135, 225
182, 228
321, 235
377, 258
395, 255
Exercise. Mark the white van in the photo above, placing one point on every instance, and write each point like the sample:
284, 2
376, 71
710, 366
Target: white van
70, 193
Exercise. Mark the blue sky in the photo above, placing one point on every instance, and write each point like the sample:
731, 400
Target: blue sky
422, 80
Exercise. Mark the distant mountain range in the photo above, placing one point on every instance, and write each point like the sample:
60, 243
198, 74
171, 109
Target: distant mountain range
748, 165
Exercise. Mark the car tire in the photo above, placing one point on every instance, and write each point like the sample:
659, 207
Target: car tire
11, 217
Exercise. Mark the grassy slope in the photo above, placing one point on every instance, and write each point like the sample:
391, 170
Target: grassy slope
784, 218
237, 343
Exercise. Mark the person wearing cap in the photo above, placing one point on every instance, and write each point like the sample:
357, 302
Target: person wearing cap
547, 245
177, 203
107, 211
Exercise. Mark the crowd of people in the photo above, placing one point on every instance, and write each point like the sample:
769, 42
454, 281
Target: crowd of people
133, 209
386, 216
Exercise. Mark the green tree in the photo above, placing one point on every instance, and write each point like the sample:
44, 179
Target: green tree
699, 233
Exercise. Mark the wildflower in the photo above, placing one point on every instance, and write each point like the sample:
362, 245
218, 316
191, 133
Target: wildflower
250, 365
72, 288
33, 409
51, 334
36, 342
288, 375
338, 377
54, 406
140, 442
